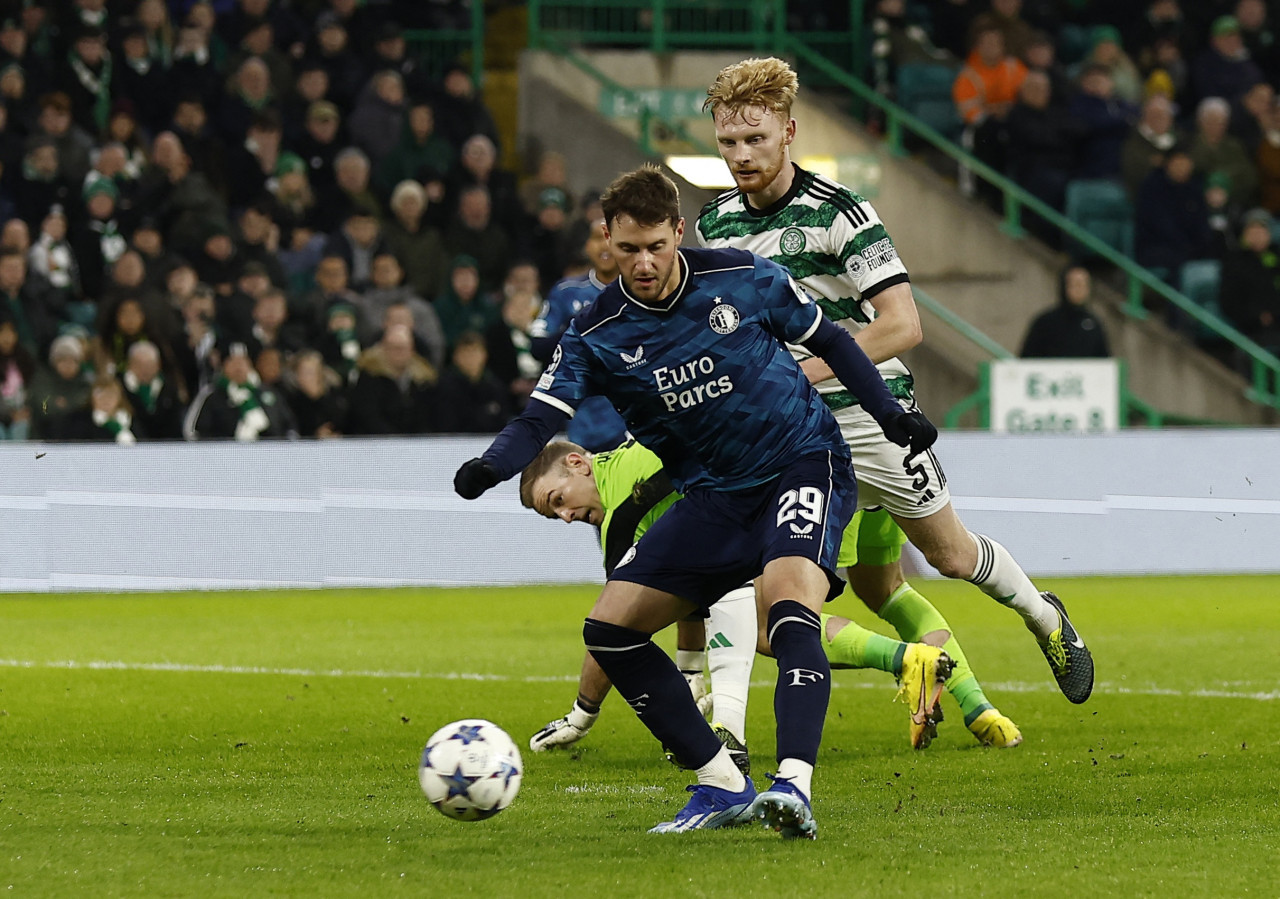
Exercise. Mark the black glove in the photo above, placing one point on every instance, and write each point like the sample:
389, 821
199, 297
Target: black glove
474, 478
910, 429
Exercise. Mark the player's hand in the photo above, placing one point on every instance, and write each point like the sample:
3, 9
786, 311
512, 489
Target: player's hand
701, 695
564, 731
911, 429
474, 478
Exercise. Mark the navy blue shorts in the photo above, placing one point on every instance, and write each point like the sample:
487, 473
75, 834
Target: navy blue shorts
711, 542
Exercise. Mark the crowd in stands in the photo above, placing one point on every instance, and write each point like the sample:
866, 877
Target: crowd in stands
1172, 100
235, 219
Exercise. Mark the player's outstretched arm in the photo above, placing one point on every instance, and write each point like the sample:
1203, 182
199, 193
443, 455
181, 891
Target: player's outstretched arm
513, 449
593, 687
851, 365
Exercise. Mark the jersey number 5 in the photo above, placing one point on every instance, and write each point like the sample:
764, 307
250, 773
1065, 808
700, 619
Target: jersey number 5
805, 502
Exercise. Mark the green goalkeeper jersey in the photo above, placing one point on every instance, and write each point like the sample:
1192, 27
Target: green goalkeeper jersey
634, 491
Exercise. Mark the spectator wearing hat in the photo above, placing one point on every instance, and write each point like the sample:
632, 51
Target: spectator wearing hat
461, 305
550, 239
1224, 215
395, 389
1068, 330
1150, 139
417, 246
340, 343
1171, 222
141, 79
235, 406
320, 143
1224, 69
59, 390
1106, 121
1249, 293
421, 155
1106, 49
294, 210
474, 233
157, 403
96, 239
88, 78
17, 370
331, 46
351, 189
55, 121
1213, 149
378, 116
473, 400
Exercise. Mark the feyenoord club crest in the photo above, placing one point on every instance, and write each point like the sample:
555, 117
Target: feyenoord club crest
724, 319
792, 241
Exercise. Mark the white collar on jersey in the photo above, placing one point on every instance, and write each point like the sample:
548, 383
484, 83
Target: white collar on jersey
672, 298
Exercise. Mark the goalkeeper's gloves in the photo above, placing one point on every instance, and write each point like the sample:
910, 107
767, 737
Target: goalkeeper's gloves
697, 682
910, 429
565, 731
474, 478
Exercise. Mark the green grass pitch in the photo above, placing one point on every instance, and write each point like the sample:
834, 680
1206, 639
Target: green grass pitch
255, 744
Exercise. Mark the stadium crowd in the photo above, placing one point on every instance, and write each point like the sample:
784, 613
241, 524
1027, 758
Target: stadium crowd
1172, 101
248, 218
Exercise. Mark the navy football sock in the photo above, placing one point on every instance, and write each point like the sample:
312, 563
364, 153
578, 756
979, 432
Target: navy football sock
804, 680
651, 684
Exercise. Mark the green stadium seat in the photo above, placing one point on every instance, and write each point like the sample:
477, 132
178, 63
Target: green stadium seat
1101, 208
1199, 281
924, 90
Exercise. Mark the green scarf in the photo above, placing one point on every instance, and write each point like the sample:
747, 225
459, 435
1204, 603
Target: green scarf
98, 85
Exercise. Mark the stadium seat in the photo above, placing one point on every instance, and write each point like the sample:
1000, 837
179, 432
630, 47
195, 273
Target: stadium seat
1101, 208
1199, 281
924, 90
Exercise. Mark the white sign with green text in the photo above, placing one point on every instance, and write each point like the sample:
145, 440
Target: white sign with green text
1055, 395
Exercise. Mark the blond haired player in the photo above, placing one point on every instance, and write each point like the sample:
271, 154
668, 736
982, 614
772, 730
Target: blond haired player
833, 243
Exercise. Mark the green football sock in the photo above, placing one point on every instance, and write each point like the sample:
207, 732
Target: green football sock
913, 616
856, 647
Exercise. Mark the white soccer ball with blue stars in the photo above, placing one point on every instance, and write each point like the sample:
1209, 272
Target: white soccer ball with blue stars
470, 770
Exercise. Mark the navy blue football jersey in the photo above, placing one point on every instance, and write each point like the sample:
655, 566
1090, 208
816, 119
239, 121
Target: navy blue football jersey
703, 378
596, 425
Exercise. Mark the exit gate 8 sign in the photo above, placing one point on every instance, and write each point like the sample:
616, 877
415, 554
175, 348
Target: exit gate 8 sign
1055, 395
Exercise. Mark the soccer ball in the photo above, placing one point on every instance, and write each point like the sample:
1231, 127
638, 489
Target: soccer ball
470, 770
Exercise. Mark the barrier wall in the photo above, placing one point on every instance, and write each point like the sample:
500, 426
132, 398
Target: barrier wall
382, 512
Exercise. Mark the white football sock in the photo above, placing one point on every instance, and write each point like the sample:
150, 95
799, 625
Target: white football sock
731, 651
1001, 578
723, 773
799, 773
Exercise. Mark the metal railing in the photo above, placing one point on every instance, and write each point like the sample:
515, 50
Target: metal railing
1264, 366
441, 48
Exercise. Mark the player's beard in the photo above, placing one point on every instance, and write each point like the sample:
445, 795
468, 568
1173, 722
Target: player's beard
762, 174
655, 289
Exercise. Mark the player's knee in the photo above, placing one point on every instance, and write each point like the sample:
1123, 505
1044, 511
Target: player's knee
950, 563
